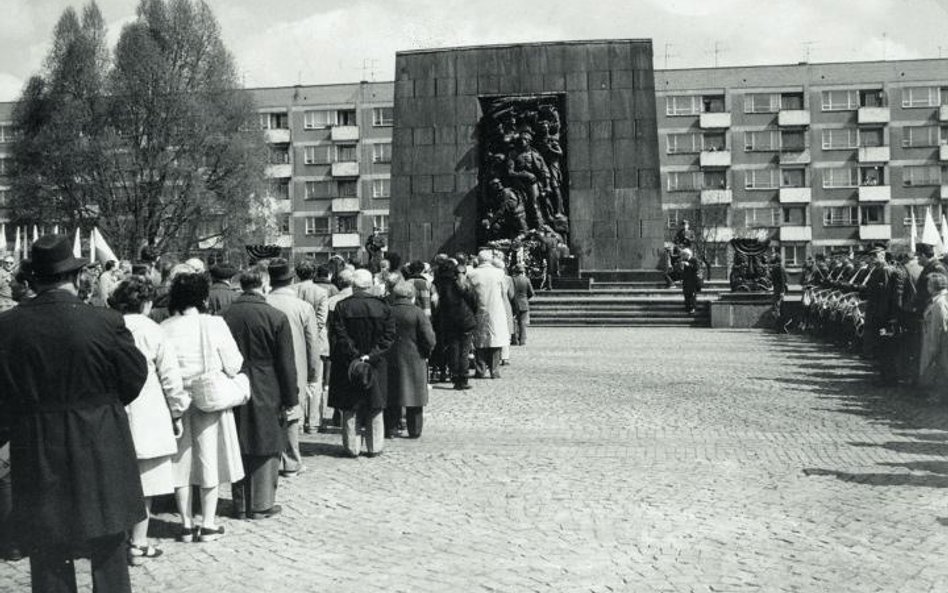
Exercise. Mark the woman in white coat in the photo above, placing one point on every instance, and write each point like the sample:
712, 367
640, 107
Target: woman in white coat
155, 416
492, 332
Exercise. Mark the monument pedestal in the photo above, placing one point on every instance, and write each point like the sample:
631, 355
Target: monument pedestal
742, 310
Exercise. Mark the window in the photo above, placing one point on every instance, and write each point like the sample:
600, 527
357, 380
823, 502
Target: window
674, 217
381, 188
382, 153
714, 180
714, 141
761, 179
762, 141
383, 116
4, 166
872, 175
713, 216
840, 100
916, 136
683, 105
921, 175
318, 155
279, 189
285, 224
347, 188
793, 216
871, 98
791, 101
793, 255
684, 181
279, 154
871, 137
688, 142
6, 133
793, 178
380, 222
755, 218
317, 225
324, 118
762, 103
347, 223
840, 139
841, 216
712, 104
872, 214
919, 212
841, 177
319, 189
345, 153
921, 97
274, 121
792, 141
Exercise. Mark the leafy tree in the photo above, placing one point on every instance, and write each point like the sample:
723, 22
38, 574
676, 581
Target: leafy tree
157, 143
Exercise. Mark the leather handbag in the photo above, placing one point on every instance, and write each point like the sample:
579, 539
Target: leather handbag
213, 390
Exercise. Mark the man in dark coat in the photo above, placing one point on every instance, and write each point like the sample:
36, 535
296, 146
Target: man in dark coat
523, 292
407, 370
265, 340
456, 320
780, 283
690, 279
222, 294
876, 293
67, 370
361, 330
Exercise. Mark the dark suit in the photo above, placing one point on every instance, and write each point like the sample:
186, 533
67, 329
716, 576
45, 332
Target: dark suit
523, 292
265, 340
220, 298
66, 372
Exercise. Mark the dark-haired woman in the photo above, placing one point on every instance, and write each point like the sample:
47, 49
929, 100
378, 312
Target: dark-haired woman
208, 451
155, 416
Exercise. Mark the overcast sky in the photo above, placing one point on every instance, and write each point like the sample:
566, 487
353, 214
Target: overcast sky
282, 42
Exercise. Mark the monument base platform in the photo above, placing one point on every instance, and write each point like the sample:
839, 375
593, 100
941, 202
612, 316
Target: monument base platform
742, 310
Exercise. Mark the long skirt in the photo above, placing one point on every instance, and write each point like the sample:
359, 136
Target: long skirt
157, 475
208, 451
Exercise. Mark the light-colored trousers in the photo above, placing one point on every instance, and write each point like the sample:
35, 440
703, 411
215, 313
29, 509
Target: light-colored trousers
374, 431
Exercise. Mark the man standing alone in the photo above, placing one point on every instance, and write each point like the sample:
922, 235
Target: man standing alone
66, 372
492, 332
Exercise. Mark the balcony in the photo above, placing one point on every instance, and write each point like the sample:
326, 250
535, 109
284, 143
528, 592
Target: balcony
873, 115
278, 171
943, 194
345, 205
284, 241
943, 152
346, 240
718, 234
715, 121
875, 193
345, 169
710, 197
796, 233
345, 133
793, 118
873, 154
795, 195
277, 136
795, 156
943, 113
875, 232
716, 158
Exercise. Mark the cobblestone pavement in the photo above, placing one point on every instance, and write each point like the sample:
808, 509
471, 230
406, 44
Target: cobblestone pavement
612, 460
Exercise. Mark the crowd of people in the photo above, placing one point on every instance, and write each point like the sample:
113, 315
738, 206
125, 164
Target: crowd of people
890, 307
131, 381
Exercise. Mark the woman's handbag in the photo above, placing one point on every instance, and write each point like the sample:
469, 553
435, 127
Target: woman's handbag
213, 390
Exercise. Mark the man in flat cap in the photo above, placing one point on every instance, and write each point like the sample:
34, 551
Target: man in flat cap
222, 293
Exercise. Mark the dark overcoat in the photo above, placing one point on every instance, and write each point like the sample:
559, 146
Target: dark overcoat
690, 275
67, 370
361, 325
523, 292
407, 370
456, 307
265, 341
220, 297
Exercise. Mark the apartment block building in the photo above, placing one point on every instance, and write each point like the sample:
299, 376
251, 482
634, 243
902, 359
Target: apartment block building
818, 157
6, 137
329, 171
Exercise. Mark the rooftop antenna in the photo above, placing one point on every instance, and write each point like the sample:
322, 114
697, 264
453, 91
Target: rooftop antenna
668, 54
885, 46
807, 47
368, 66
717, 51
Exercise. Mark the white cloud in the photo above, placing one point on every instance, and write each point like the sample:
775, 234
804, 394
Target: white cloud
10, 87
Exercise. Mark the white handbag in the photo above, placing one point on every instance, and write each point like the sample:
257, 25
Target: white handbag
213, 390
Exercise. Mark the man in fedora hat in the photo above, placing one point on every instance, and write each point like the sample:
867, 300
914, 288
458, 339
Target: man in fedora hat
67, 370
305, 332
221, 294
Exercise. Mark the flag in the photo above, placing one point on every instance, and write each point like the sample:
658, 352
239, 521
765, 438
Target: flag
55, 229
17, 255
944, 233
92, 258
3, 236
77, 245
102, 248
36, 234
930, 234
913, 234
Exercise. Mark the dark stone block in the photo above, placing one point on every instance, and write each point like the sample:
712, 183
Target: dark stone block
424, 87
405, 88
597, 56
465, 134
600, 130
467, 85
401, 186
466, 181
554, 82
620, 56
599, 80
579, 180
623, 79
644, 80
622, 105
624, 154
423, 136
446, 87
575, 60
488, 85
443, 184
603, 181
600, 155
606, 255
421, 184
445, 135
465, 65
533, 83
604, 229
577, 130
599, 105
623, 128
578, 156
577, 106
626, 178
628, 228
576, 81
402, 137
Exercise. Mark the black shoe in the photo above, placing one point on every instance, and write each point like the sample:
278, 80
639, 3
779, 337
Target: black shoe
271, 512
373, 454
463, 386
209, 535
11, 554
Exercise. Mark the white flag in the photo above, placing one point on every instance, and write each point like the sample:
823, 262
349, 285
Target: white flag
77, 245
930, 234
92, 258
103, 250
913, 234
17, 249
36, 234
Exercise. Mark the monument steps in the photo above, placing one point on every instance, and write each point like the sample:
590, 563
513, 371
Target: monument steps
628, 307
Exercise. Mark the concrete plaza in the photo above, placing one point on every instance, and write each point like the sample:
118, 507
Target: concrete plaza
611, 460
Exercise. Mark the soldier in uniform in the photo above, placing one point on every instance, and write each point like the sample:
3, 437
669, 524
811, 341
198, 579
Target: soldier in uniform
876, 292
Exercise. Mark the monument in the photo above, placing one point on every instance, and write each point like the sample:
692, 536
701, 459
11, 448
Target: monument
528, 145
